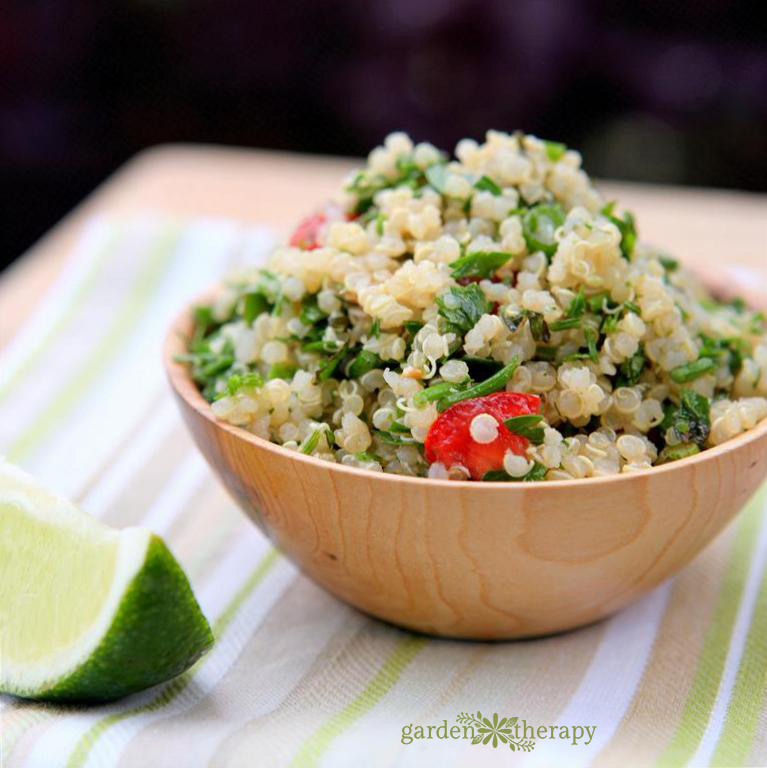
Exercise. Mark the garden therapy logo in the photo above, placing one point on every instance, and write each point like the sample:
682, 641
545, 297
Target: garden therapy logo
519, 735
497, 731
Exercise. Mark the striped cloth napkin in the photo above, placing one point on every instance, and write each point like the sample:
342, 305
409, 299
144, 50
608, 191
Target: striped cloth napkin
297, 678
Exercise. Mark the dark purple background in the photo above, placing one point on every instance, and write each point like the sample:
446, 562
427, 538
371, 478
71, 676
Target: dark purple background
660, 90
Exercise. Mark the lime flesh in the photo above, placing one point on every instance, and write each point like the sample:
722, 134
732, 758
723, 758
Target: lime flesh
87, 613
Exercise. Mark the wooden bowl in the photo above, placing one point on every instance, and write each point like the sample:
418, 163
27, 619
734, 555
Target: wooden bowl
467, 559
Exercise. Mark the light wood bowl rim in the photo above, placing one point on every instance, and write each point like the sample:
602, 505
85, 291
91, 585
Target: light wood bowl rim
182, 384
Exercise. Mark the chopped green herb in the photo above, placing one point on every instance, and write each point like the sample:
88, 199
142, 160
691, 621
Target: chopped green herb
406, 166
216, 365
367, 456
609, 324
527, 426
577, 305
320, 345
738, 349
573, 316
364, 362
253, 305
555, 150
538, 472
481, 367
591, 343
328, 368
412, 326
238, 382
738, 304
282, 371
599, 302
270, 286
436, 392
204, 322
684, 373
369, 215
690, 420
548, 354
488, 185
676, 452
627, 228
365, 185
310, 313
539, 329
375, 329
488, 386
629, 306
565, 324
497, 476
380, 221
539, 226
734, 350
389, 438
479, 264
462, 306
669, 264
631, 369
398, 426
311, 442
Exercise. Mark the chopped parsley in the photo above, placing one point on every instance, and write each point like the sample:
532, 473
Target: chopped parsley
626, 226
676, 452
238, 382
480, 264
328, 368
539, 329
462, 307
555, 150
436, 392
573, 315
631, 369
310, 313
282, 371
684, 373
538, 472
486, 184
364, 361
669, 264
254, 304
488, 386
390, 439
690, 420
311, 442
539, 225
527, 426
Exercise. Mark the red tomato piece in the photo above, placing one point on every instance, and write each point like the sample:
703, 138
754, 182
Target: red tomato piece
449, 440
305, 236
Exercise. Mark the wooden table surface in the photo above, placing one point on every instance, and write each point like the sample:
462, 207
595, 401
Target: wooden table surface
720, 233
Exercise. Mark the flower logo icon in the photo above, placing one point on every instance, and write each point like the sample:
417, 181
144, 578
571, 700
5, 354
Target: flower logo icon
495, 731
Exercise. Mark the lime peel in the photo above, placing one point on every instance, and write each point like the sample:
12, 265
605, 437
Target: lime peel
87, 613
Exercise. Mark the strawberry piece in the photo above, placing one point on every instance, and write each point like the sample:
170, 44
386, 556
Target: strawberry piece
305, 236
449, 440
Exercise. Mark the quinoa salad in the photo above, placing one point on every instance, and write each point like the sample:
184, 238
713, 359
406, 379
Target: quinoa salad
488, 317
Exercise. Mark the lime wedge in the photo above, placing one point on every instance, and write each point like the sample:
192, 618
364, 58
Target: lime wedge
87, 613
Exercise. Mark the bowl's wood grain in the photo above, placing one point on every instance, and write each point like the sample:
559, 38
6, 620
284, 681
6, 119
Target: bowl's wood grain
475, 560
